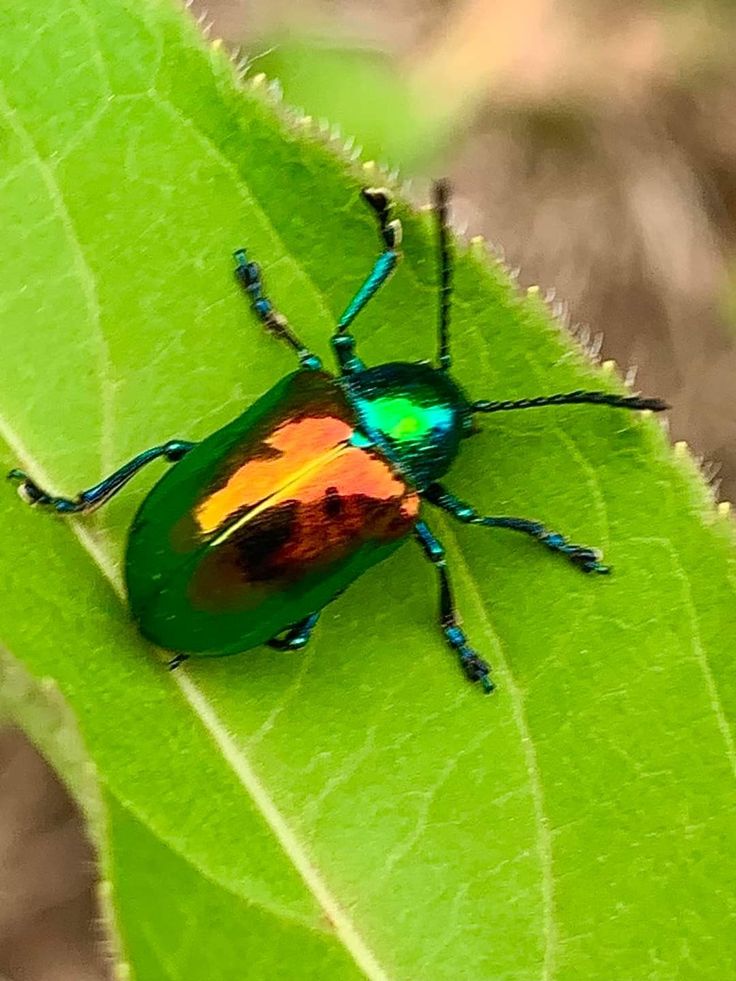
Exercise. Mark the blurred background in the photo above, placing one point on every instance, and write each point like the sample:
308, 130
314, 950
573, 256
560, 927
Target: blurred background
595, 144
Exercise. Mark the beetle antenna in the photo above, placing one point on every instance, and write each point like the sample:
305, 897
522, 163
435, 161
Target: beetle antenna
441, 195
634, 402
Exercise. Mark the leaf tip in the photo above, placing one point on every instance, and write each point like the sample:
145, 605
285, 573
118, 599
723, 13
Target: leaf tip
258, 80
532, 291
681, 449
724, 508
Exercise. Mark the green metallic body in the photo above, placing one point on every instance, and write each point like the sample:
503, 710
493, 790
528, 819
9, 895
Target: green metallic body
271, 517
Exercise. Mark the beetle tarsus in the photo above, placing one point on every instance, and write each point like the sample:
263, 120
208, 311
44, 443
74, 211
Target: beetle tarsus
176, 660
586, 559
380, 200
297, 636
476, 669
28, 491
94, 497
487, 684
248, 274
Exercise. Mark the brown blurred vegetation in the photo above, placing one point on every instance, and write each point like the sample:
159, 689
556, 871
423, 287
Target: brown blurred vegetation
597, 144
48, 927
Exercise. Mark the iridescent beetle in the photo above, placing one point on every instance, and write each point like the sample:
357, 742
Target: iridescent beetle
255, 529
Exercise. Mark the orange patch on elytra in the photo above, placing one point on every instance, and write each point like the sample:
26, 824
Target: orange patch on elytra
354, 472
350, 498
294, 447
344, 505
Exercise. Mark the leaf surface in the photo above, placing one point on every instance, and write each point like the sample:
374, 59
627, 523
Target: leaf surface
356, 810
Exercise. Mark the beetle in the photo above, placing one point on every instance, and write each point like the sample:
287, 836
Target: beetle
255, 529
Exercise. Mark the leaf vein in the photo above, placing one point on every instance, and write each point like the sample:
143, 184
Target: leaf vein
544, 835
698, 649
82, 270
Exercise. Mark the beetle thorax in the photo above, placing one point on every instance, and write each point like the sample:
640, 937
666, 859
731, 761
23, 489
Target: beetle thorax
414, 412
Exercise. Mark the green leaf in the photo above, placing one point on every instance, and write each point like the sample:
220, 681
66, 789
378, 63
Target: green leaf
356, 810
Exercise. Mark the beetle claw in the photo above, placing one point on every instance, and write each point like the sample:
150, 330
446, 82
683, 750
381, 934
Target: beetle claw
589, 560
27, 490
476, 669
378, 198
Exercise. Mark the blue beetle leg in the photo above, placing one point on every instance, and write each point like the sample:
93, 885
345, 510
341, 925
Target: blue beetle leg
89, 500
586, 559
343, 342
475, 668
297, 636
248, 275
